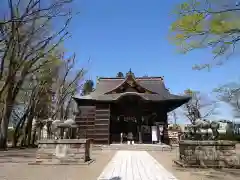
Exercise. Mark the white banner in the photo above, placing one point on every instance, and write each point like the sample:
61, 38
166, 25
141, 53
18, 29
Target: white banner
154, 133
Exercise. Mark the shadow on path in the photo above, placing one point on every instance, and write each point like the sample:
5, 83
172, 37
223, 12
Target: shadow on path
114, 178
18, 156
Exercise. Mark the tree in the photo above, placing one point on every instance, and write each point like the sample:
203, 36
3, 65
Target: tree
230, 93
26, 41
120, 74
199, 106
173, 117
34, 101
87, 87
65, 86
49, 96
208, 24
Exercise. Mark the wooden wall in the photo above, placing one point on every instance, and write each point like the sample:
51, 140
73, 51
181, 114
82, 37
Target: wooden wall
102, 123
86, 120
94, 120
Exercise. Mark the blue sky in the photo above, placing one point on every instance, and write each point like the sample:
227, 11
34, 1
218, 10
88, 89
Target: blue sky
122, 34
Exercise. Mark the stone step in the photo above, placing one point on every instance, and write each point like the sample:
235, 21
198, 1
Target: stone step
135, 147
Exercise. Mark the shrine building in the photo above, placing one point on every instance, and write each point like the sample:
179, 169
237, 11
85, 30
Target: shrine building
122, 105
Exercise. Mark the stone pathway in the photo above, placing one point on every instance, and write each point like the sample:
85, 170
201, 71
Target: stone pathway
134, 165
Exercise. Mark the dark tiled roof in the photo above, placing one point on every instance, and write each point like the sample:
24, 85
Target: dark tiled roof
154, 84
150, 97
107, 84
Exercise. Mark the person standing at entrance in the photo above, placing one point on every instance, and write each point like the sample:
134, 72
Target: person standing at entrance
121, 137
130, 138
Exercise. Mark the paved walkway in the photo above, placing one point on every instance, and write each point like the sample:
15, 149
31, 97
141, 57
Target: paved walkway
134, 165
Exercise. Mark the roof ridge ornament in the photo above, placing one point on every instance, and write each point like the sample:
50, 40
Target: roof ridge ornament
130, 73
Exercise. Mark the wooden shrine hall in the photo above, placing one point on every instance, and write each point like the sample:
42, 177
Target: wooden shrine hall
122, 105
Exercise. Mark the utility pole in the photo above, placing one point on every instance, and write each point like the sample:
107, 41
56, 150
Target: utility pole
174, 117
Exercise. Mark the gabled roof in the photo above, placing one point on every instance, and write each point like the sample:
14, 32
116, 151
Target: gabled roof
149, 97
156, 86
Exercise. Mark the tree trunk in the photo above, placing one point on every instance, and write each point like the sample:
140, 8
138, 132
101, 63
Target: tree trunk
15, 140
15, 135
5, 121
3, 138
29, 130
33, 138
9, 99
25, 133
18, 128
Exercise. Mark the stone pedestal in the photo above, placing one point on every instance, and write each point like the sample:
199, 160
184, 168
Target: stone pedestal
64, 151
173, 137
208, 154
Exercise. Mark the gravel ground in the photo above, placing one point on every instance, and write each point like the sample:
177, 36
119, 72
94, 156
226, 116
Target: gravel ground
14, 166
166, 159
238, 148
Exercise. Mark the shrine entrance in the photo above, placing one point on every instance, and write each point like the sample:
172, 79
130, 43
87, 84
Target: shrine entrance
127, 116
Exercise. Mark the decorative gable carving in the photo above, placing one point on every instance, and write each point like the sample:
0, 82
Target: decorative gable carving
130, 89
130, 82
130, 85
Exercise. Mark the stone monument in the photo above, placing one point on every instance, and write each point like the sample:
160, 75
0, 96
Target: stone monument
205, 150
63, 145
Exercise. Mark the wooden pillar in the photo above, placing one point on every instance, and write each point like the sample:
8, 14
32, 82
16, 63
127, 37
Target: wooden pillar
140, 131
139, 121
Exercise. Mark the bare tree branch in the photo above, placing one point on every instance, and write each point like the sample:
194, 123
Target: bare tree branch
230, 93
199, 106
26, 41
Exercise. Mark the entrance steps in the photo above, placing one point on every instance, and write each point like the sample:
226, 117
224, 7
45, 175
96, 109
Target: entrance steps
135, 147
